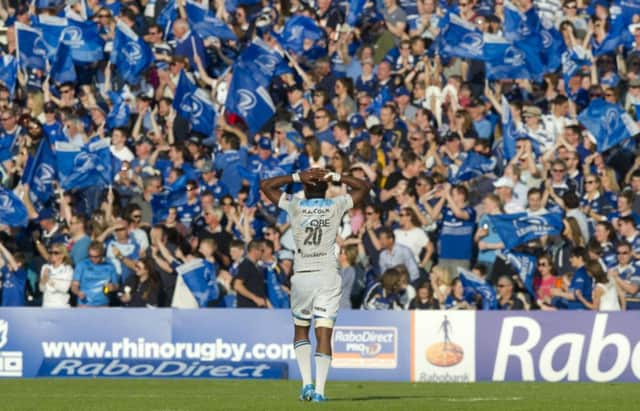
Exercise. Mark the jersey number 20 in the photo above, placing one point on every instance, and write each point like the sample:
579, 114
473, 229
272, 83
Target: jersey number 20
314, 235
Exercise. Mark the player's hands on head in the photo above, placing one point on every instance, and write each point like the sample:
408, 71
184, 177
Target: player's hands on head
312, 175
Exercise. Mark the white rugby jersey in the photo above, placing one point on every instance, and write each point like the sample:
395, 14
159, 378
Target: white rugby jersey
315, 224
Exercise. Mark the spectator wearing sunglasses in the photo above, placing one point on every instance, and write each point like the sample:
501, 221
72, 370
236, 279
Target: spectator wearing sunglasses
94, 278
55, 278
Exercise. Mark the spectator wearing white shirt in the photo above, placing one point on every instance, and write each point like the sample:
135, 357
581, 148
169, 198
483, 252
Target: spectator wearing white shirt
504, 190
534, 202
394, 254
412, 235
55, 278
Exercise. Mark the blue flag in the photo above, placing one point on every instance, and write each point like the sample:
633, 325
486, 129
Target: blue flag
608, 123
83, 37
200, 277
13, 212
40, 172
296, 30
504, 60
524, 264
355, 11
516, 229
572, 62
206, 24
167, 16
9, 72
250, 100
519, 25
52, 28
552, 48
131, 55
460, 38
31, 49
262, 61
84, 167
479, 286
182, 96
62, 68
120, 112
474, 165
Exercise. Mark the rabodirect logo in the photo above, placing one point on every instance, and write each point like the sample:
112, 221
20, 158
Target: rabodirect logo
10, 361
131, 368
365, 347
445, 353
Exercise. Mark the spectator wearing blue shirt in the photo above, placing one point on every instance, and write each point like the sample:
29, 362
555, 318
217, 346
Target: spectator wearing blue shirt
228, 161
264, 163
10, 130
79, 239
486, 236
581, 281
458, 223
122, 249
322, 126
94, 278
192, 208
13, 278
629, 233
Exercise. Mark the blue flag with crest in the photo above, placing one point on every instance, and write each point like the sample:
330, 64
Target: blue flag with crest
40, 172
84, 167
250, 100
519, 25
82, 37
474, 165
13, 212
131, 55
194, 104
200, 277
31, 49
206, 24
119, 114
504, 60
608, 123
552, 47
167, 16
296, 30
524, 264
520, 228
459, 38
572, 62
9, 72
262, 61
479, 286
62, 68
510, 132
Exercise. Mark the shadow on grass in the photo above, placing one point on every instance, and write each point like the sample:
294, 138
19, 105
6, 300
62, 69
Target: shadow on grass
386, 397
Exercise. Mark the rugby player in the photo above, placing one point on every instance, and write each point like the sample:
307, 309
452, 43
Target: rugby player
316, 283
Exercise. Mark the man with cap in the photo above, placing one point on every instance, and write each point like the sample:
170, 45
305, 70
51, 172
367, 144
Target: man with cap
264, 163
143, 149
402, 97
504, 190
51, 233
209, 181
51, 126
535, 128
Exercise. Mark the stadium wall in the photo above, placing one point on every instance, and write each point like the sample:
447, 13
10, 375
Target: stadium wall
429, 346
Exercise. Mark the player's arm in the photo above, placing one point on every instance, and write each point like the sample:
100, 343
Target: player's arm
271, 186
359, 188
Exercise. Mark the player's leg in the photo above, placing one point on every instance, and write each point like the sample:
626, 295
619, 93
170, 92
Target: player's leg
301, 306
323, 330
302, 348
325, 310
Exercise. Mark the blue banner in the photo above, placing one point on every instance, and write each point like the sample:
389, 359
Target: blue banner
84, 167
608, 123
552, 48
479, 286
31, 48
519, 25
250, 100
167, 16
9, 73
12, 210
206, 24
62, 68
516, 229
131, 56
82, 37
40, 172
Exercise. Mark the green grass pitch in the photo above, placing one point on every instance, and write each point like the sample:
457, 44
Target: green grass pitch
174, 395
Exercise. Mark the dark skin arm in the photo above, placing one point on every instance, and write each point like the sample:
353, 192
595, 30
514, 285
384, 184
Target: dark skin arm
359, 188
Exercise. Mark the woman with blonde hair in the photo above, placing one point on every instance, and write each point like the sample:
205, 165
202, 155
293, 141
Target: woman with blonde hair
441, 283
55, 278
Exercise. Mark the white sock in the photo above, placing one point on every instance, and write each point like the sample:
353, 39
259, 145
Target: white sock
323, 363
302, 349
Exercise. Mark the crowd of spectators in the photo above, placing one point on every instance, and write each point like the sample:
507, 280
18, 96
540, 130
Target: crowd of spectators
374, 98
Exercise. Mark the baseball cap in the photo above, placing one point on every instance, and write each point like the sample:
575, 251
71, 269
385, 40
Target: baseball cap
144, 140
295, 138
50, 107
402, 91
532, 111
503, 182
356, 120
206, 167
194, 140
46, 214
264, 143
635, 82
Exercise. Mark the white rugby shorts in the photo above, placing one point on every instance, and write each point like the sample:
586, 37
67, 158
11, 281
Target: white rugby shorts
315, 295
